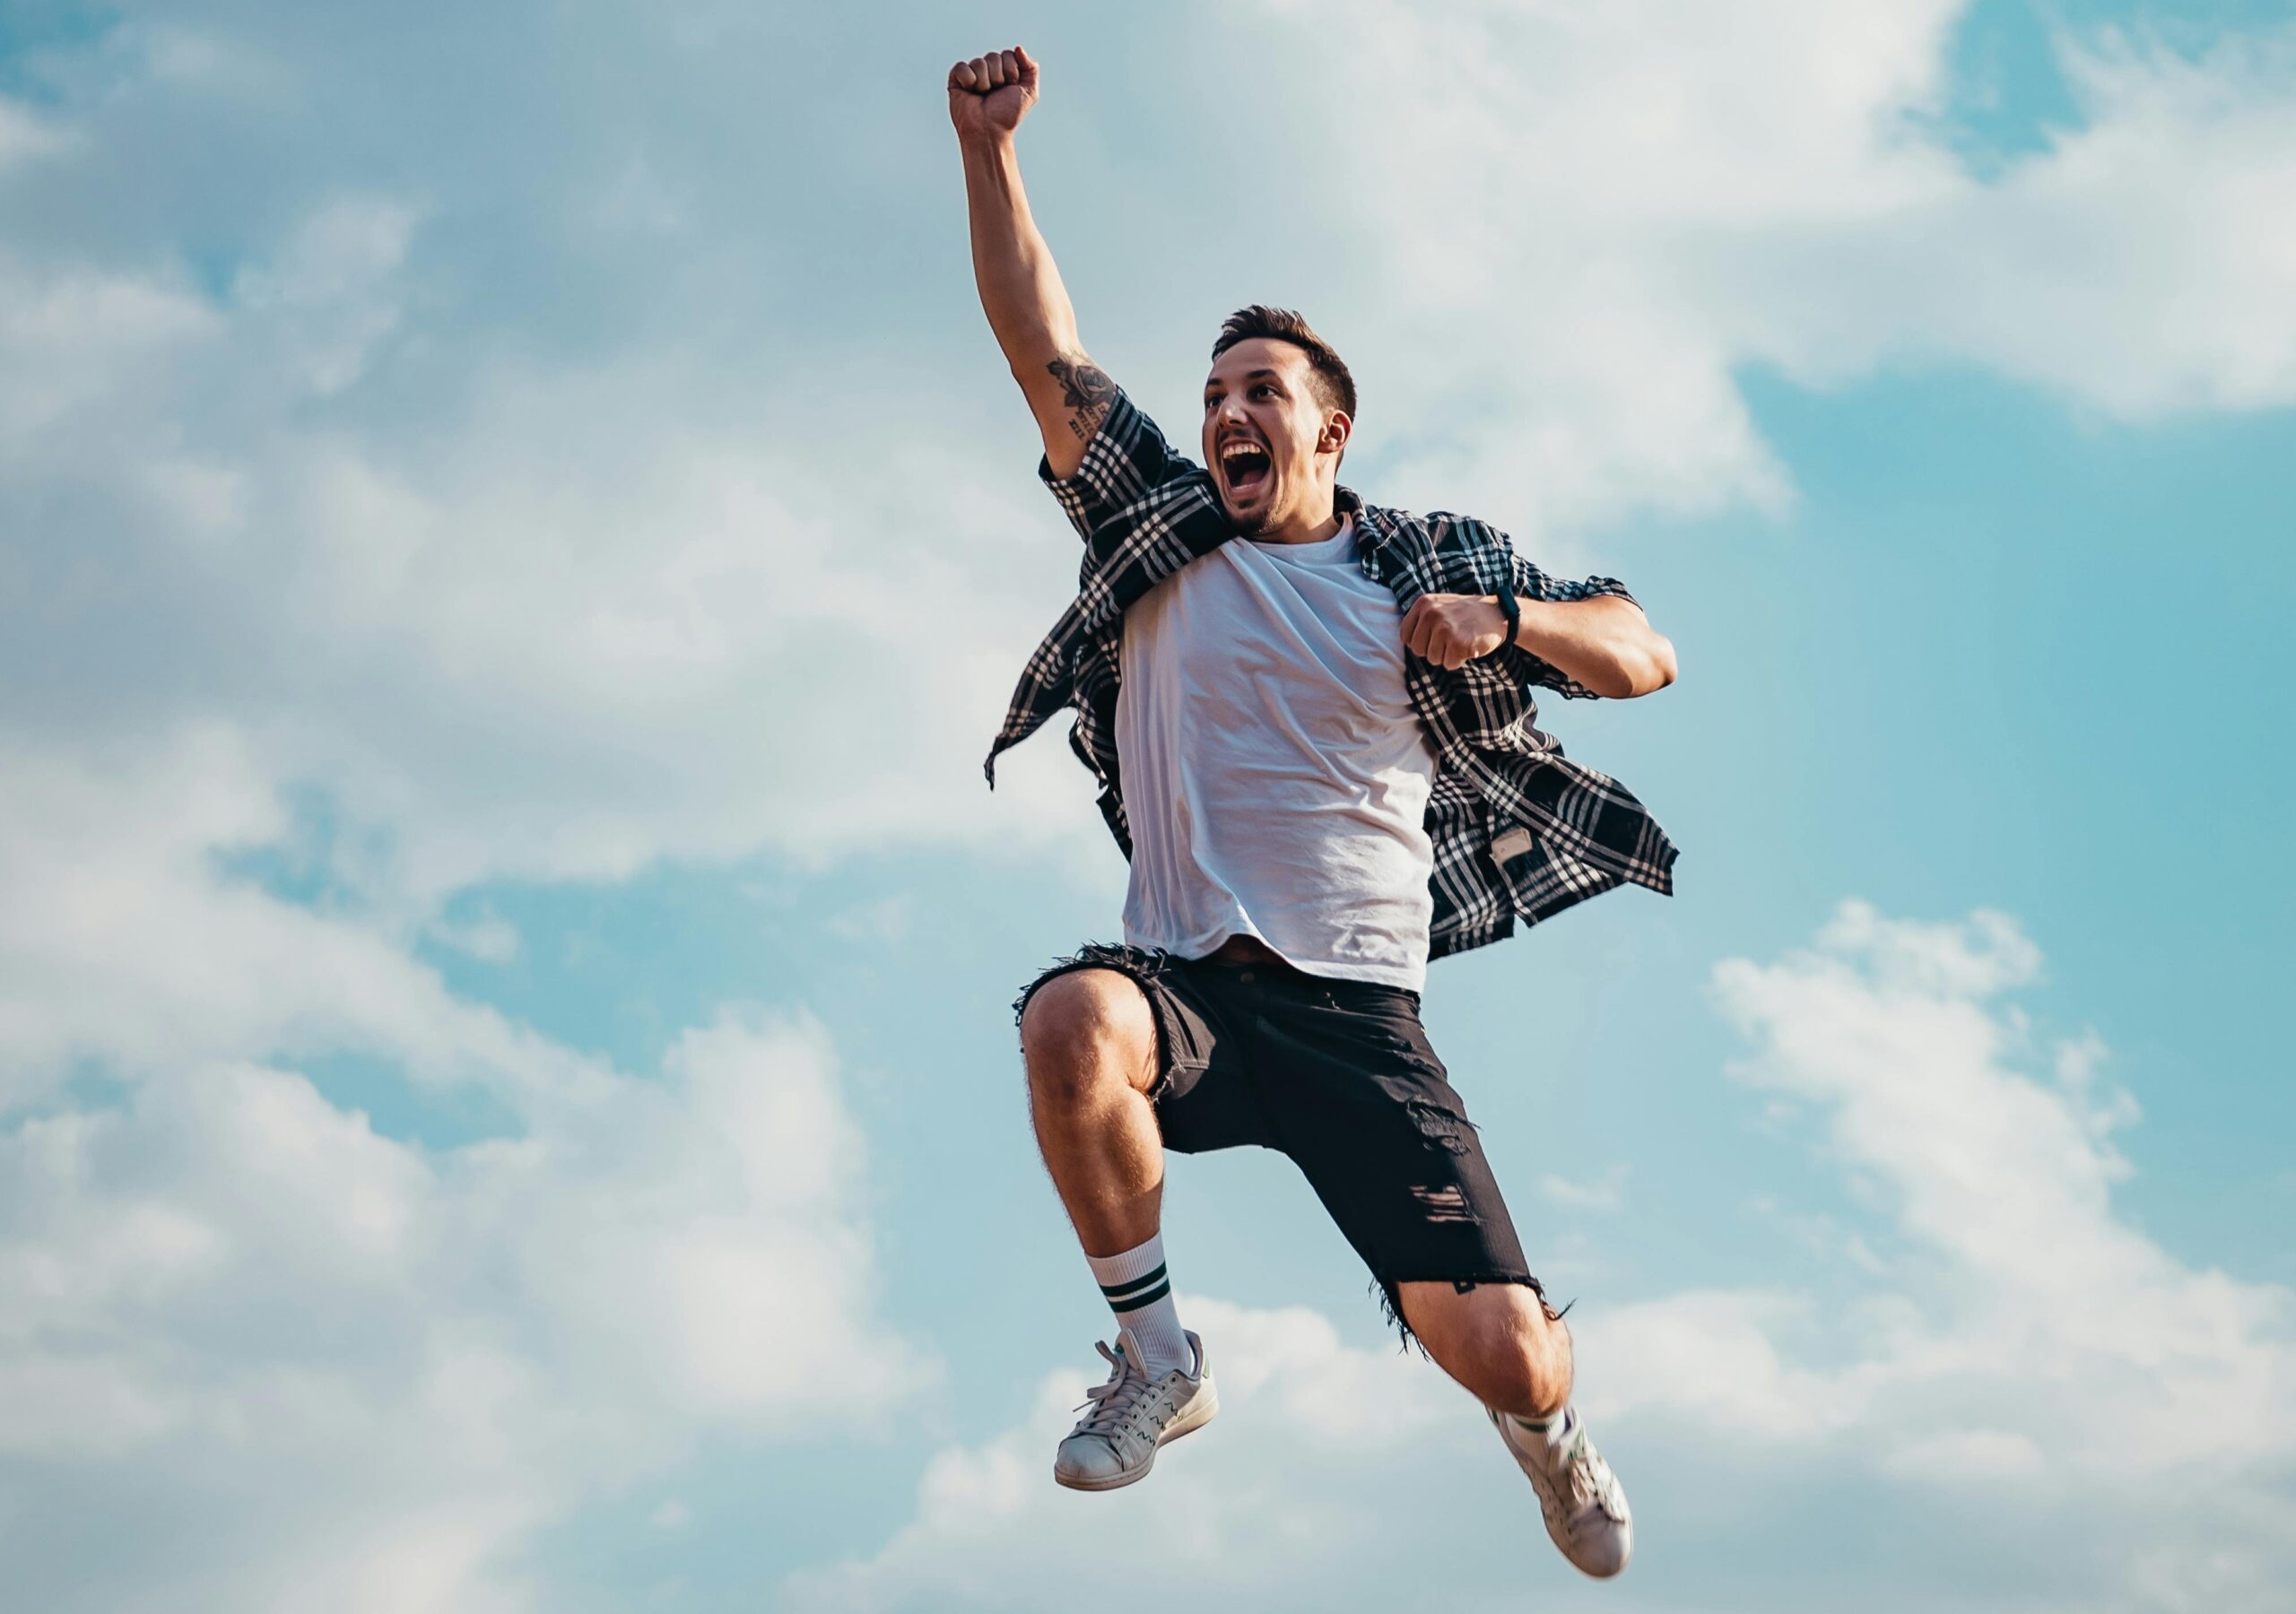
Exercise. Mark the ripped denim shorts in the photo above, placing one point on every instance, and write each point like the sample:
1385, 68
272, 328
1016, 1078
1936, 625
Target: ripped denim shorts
1339, 1076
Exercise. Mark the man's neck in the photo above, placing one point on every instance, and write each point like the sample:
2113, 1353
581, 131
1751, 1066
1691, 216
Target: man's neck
1305, 529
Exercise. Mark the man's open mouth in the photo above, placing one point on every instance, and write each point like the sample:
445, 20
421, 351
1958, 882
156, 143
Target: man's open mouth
1244, 465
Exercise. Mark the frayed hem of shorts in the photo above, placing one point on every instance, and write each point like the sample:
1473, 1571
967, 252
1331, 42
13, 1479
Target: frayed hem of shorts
1142, 965
1383, 1290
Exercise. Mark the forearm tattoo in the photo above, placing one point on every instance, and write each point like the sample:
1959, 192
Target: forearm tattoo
1088, 393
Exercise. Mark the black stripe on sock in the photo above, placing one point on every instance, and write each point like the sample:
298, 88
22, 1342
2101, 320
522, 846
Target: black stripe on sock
1135, 1302
1117, 1291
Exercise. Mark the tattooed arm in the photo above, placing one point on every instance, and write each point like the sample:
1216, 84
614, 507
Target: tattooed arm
1021, 291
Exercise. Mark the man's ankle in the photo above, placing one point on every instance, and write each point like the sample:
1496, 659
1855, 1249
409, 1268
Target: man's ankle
1551, 1428
1138, 1289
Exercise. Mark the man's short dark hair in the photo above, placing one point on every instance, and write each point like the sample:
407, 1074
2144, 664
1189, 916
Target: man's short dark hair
1334, 387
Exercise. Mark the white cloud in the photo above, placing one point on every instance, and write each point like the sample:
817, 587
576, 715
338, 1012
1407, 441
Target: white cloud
1589, 219
24, 136
562, 644
1606, 1193
1267, 1501
488, 937
570, 492
528, 613
302, 1362
85, 347
364, 1369
2028, 1356
887, 919
2031, 1338
2136, 267
2051, 1314
328, 296
201, 60
123, 942
516, 540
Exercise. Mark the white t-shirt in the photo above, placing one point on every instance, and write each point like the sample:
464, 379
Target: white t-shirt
1275, 774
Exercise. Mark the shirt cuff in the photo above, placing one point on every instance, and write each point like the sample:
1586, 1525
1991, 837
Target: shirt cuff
1089, 492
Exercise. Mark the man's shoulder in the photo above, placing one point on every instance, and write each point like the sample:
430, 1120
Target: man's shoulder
1129, 424
1129, 473
1434, 530
1427, 520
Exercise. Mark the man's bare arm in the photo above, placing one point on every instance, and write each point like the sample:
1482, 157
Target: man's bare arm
1021, 291
1605, 643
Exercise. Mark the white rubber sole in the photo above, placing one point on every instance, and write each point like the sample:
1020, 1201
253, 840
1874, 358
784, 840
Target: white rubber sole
1199, 1413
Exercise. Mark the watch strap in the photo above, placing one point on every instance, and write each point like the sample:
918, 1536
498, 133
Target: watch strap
1514, 610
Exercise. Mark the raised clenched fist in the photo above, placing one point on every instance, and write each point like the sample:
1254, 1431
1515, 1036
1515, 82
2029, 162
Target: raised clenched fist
990, 94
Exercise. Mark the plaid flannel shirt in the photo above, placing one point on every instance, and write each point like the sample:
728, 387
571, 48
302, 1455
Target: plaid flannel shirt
1520, 832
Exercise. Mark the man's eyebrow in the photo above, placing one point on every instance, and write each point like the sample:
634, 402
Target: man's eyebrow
1249, 376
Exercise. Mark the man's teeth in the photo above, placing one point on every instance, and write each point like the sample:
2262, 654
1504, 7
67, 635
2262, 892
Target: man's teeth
1244, 459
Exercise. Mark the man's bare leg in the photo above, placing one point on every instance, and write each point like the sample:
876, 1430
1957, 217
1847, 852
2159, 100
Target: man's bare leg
1089, 1038
1090, 1042
1498, 1341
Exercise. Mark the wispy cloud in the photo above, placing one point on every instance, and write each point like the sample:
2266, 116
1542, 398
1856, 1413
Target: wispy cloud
439, 540
523, 478
24, 136
345, 1368
2031, 1338
1606, 1193
2032, 1352
1246, 1510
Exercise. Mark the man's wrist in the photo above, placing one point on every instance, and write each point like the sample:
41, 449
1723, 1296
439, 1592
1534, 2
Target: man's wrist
1511, 610
988, 143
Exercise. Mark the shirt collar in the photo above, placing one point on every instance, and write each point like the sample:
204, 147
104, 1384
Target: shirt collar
1373, 532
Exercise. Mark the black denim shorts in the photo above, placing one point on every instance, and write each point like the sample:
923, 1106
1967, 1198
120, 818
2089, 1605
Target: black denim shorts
1339, 1076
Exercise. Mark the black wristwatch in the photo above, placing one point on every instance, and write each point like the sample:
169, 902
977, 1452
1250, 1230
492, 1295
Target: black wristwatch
1514, 610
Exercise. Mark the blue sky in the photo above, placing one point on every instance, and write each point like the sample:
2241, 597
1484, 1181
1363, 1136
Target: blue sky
513, 538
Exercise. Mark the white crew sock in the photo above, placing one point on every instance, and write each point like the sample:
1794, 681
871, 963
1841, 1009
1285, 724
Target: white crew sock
1137, 1291
1554, 1429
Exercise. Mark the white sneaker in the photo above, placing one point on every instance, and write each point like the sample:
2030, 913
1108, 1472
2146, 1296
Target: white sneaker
1126, 1419
1584, 1505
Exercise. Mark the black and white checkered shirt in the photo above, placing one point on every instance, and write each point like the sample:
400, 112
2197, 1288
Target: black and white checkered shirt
1520, 831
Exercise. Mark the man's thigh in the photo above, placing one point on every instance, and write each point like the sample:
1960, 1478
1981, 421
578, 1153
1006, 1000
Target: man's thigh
1201, 1097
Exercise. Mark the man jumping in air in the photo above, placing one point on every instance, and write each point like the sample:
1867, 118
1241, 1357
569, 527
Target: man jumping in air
1312, 725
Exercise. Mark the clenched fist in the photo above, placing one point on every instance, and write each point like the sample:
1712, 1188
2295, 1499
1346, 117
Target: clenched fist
1453, 629
990, 94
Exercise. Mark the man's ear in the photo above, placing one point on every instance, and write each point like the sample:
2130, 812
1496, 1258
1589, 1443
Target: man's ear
1337, 429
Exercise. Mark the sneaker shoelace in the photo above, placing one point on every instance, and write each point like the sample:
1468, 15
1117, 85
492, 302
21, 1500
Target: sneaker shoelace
1112, 1403
1571, 1481
1583, 1473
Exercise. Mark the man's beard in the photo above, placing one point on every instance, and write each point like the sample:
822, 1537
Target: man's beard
1254, 526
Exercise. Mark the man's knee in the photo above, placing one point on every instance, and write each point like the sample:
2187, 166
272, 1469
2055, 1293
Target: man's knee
1086, 1028
1499, 1339
1526, 1375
